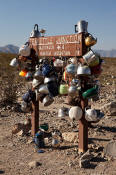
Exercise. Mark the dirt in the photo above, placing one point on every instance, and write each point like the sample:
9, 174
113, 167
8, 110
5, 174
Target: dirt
16, 152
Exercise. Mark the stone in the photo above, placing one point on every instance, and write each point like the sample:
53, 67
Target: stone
19, 99
84, 163
86, 156
110, 108
108, 83
27, 126
34, 164
20, 133
16, 128
55, 143
30, 141
70, 164
110, 149
70, 137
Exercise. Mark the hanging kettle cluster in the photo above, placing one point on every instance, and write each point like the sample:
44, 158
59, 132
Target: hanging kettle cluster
50, 77
40, 73
81, 76
90, 65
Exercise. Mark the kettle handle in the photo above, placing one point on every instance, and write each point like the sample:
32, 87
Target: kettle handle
86, 108
36, 27
76, 28
92, 36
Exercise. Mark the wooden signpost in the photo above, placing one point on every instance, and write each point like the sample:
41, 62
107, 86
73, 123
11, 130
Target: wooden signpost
62, 45
65, 46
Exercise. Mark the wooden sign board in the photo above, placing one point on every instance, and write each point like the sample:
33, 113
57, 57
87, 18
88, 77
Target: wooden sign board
62, 45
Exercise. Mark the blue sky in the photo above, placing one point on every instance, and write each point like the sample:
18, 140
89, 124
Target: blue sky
17, 18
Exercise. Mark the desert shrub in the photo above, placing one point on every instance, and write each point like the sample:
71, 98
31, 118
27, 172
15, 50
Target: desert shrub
8, 80
8, 90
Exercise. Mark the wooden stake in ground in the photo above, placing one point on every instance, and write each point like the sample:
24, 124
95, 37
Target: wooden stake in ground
83, 124
83, 130
35, 118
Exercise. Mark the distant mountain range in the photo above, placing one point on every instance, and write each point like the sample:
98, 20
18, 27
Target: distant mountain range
9, 49
14, 49
107, 53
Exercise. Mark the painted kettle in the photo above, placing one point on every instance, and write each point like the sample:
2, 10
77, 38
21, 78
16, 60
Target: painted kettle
63, 89
90, 92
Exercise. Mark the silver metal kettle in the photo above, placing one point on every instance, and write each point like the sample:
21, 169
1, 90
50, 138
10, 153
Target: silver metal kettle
35, 33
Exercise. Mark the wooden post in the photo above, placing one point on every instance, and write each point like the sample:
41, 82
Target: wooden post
35, 103
83, 130
35, 118
83, 124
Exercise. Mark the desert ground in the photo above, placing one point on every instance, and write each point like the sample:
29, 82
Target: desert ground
18, 154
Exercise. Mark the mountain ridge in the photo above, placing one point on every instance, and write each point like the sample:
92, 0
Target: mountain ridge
10, 48
107, 53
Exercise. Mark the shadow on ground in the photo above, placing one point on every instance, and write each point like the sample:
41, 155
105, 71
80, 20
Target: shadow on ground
107, 128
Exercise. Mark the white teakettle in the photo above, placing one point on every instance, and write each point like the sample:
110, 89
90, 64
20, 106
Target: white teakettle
91, 115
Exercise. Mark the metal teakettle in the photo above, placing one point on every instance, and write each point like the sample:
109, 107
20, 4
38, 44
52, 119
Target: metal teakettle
73, 90
14, 62
35, 33
47, 100
43, 89
81, 27
91, 115
90, 92
90, 40
90, 57
62, 112
63, 89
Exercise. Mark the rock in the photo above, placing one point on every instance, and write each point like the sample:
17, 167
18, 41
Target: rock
10, 145
4, 113
110, 149
27, 121
84, 163
27, 126
108, 83
55, 143
87, 155
34, 164
110, 108
102, 155
19, 99
70, 164
20, 133
70, 136
30, 141
16, 128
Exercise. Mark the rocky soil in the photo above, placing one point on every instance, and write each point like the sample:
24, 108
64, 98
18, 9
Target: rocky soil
19, 156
